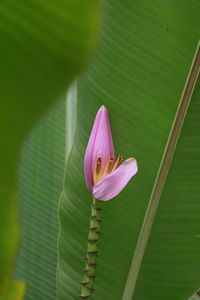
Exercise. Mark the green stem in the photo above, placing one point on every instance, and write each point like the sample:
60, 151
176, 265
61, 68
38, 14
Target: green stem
92, 250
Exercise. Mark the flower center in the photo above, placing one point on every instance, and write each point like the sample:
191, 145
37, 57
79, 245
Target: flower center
98, 175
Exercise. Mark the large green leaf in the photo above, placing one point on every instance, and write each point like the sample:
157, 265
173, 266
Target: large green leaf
40, 185
171, 256
139, 73
9, 236
16, 291
43, 46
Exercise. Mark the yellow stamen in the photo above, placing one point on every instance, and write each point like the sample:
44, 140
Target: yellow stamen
119, 159
97, 170
108, 168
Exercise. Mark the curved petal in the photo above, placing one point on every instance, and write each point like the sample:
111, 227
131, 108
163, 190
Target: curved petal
100, 145
112, 184
89, 152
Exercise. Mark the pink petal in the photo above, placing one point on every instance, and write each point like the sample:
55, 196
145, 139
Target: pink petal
100, 145
112, 184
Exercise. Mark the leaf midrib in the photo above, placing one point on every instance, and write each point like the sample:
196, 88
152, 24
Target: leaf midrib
161, 178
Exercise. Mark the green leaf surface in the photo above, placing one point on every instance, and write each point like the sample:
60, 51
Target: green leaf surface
40, 184
9, 234
171, 260
41, 176
16, 291
139, 74
44, 44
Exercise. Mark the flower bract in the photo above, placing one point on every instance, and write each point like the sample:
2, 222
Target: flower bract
104, 176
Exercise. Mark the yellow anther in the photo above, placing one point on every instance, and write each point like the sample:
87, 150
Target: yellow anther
117, 163
108, 168
97, 170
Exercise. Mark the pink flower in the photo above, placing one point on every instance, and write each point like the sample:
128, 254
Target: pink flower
104, 177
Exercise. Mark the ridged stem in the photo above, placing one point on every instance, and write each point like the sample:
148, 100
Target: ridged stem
92, 250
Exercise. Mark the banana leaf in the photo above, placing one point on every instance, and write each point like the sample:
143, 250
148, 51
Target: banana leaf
43, 47
149, 246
